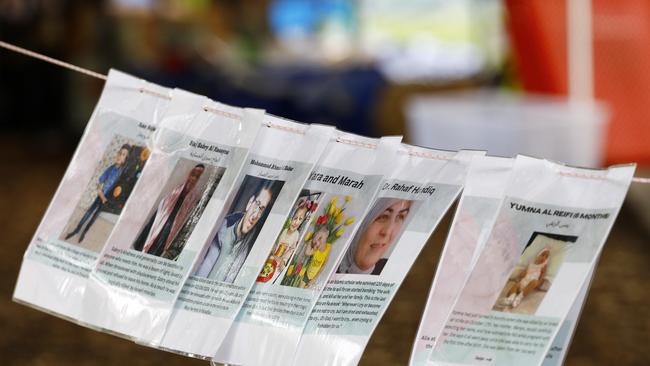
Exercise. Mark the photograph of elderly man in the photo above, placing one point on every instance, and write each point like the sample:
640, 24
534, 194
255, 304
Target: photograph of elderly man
170, 215
238, 231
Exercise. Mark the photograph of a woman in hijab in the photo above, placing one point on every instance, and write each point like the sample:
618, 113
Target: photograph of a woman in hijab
372, 244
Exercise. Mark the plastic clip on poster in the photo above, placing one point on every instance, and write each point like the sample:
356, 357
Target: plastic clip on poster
485, 184
280, 160
307, 250
548, 234
91, 196
196, 156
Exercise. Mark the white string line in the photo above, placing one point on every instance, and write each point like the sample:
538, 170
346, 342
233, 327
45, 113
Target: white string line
52, 60
270, 124
97, 75
584, 176
222, 113
155, 94
343, 140
601, 177
429, 155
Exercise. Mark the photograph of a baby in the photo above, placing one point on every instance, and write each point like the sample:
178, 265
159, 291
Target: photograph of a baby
374, 241
96, 213
534, 273
166, 231
319, 244
287, 241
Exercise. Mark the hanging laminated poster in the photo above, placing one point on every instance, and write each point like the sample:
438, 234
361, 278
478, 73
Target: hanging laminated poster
197, 152
279, 162
547, 236
486, 181
412, 200
306, 251
96, 186
485, 184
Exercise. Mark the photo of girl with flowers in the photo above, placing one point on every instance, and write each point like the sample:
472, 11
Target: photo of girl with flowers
286, 243
308, 263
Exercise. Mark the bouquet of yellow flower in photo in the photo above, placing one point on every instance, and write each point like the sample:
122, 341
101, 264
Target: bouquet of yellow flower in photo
307, 265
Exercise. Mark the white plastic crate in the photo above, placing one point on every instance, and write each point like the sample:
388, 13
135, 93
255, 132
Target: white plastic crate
507, 124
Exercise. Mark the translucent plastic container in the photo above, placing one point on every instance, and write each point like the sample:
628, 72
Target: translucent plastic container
507, 124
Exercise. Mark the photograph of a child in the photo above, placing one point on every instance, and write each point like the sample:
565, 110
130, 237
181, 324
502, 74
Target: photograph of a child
324, 240
373, 243
534, 273
286, 243
238, 230
100, 205
177, 209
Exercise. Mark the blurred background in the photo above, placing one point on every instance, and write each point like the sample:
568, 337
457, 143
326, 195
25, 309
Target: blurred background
558, 79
